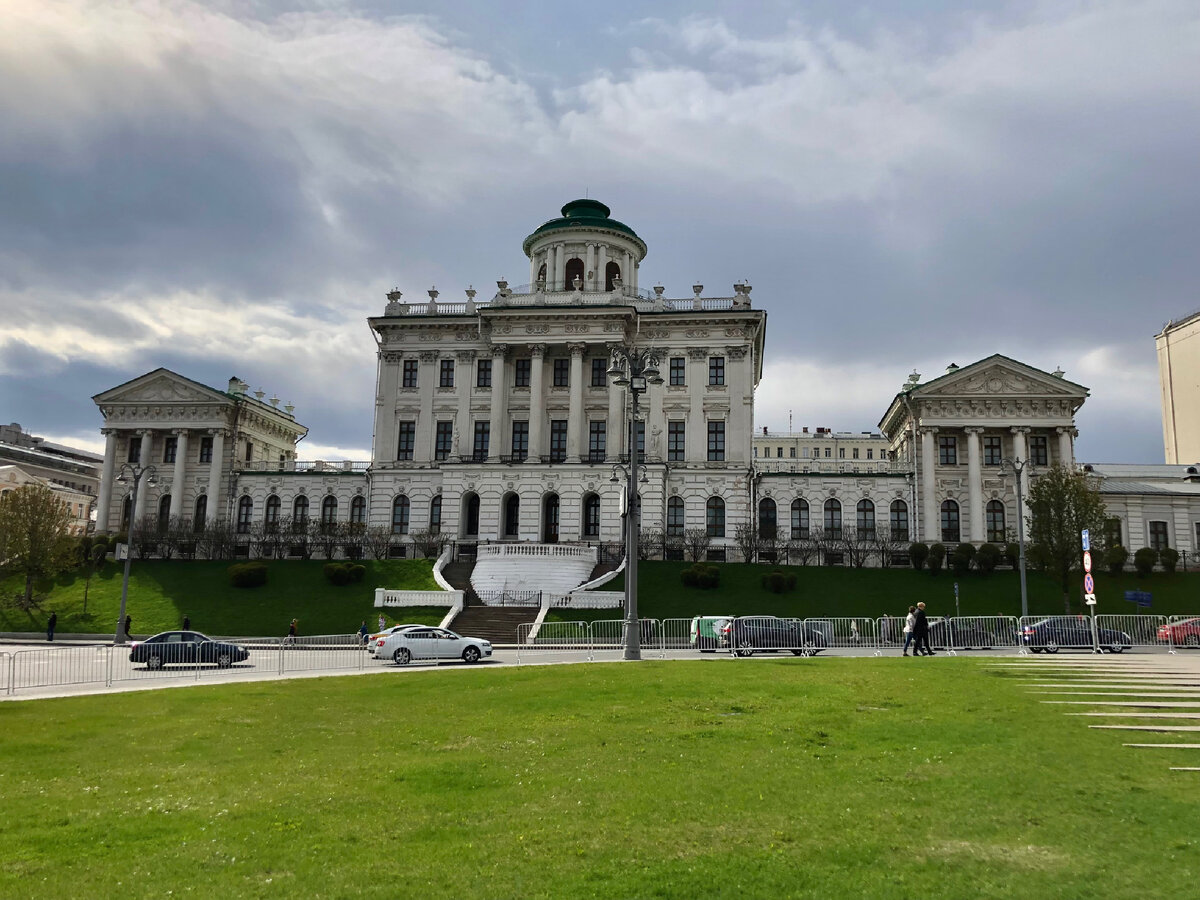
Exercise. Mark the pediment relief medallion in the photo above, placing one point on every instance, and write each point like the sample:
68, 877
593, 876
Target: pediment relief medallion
1001, 380
163, 389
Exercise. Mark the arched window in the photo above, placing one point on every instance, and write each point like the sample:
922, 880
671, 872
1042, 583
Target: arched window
201, 513
995, 521
768, 524
865, 522
675, 517
271, 516
512, 516
300, 509
550, 508
899, 525
611, 271
800, 525
470, 515
950, 531
245, 512
714, 517
591, 515
833, 518
358, 511
435, 514
329, 507
573, 270
400, 514
164, 513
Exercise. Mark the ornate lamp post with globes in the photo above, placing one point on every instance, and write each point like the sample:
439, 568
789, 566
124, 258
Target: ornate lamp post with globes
1018, 467
135, 473
635, 368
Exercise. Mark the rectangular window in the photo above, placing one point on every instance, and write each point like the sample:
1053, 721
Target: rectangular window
1039, 452
521, 371
641, 439
675, 517
841, 452
135, 449
676, 432
558, 440
446, 373
520, 440
206, 445
948, 451
169, 449
755, 452
1112, 533
410, 373
792, 452
599, 372
716, 441
855, 453
899, 521
483, 434
597, 437
716, 370
562, 373
828, 452
870, 453
779, 453
249, 451
678, 370
1158, 535
993, 450
483, 373
444, 440
406, 440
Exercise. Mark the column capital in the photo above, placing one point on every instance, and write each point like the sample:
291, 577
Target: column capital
537, 350
429, 355
577, 348
1067, 429
928, 429
737, 351
1021, 429
974, 429
145, 431
179, 431
498, 351
108, 432
392, 356
218, 432
465, 355
698, 352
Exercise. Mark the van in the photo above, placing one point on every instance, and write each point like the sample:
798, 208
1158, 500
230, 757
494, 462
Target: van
707, 632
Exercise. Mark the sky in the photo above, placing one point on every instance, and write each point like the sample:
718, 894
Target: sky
230, 188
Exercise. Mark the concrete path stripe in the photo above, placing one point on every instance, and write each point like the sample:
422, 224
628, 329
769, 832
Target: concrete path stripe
1146, 695
1164, 704
1137, 715
1185, 768
1108, 685
1163, 728
1175, 746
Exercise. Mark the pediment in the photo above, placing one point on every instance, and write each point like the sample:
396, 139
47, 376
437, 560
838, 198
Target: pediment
160, 386
1000, 378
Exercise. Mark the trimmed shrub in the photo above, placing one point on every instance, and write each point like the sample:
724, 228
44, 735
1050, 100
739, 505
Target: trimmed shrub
937, 556
963, 556
917, 554
776, 582
101, 541
1144, 560
1169, 557
357, 572
1012, 554
247, 574
700, 576
1115, 558
986, 558
338, 574
689, 577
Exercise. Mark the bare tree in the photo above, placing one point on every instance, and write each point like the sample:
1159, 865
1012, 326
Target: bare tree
697, 541
327, 537
428, 542
353, 537
802, 549
650, 543
746, 539
379, 541
145, 535
858, 544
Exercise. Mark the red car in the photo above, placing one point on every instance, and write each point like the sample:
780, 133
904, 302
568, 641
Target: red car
1184, 633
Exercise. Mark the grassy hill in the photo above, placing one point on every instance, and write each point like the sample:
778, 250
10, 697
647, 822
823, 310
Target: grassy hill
162, 592
835, 591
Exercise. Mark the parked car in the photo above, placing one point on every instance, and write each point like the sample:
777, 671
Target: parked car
966, 636
189, 647
1072, 633
705, 632
375, 641
424, 642
1184, 633
747, 635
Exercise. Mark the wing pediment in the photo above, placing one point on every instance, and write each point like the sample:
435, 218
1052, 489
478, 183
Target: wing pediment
160, 386
1000, 378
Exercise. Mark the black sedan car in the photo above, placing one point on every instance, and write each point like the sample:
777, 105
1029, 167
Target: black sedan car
1071, 633
747, 635
188, 647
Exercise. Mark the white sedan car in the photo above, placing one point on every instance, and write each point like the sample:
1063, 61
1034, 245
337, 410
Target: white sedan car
375, 641
431, 643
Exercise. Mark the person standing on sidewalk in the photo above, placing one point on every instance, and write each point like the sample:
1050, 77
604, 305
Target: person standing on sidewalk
128, 626
292, 630
50, 625
921, 632
187, 623
909, 622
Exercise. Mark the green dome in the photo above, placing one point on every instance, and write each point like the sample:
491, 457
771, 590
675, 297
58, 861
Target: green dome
584, 214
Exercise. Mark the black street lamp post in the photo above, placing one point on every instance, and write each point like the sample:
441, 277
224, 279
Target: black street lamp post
1018, 467
130, 472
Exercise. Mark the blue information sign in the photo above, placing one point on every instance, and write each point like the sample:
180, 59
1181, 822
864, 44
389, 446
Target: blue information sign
1087, 544
1141, 598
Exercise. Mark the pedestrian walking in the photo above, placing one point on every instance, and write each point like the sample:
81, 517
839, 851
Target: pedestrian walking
854, 637
909, 622
51, 623
187, 623
128, 625
382, 622
921, 632
363, 633
885, 629
292, 630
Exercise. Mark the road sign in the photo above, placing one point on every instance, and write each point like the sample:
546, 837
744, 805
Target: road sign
956, 589
1141, 598
1089, 584
1087, 544
1090, 599
1087, 560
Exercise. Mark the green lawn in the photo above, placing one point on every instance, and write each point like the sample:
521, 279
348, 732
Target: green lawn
789, 778
836, 591
161, 592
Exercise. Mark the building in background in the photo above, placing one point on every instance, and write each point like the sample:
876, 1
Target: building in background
1178, 347
56, 464
79, 503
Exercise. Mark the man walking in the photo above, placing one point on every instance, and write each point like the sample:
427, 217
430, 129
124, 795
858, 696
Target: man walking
187, 622
921, 632
50, 625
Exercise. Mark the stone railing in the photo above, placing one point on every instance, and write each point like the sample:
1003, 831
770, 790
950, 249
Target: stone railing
833, 466
309, 467
587, 600
384, 598
527, 295
562, 551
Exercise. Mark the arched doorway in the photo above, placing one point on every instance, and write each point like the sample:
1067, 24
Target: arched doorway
470, 515
611, 271
512, 517
550, 510
573, 270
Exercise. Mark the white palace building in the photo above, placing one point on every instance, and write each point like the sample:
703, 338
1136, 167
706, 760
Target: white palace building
496, 421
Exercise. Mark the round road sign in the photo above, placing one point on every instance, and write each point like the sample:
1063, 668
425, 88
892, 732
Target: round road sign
1089, 584
1087, 560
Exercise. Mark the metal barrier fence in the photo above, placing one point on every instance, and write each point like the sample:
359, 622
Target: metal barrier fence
1183, 632
1124, 632
322, 651
55, 666
5, 673
555, 641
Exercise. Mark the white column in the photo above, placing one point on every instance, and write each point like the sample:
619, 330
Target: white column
615, 429
1021, 452
589, 284
386, 398
426, 384
975, 485
499, 413
1066, 452
537, 402
931, 515
181, 438
213, 509
107, 475
738, 384
696, 439
627, 270
464, 383
576, 424
560, 269
601, 265
143, 489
